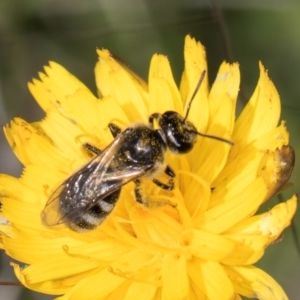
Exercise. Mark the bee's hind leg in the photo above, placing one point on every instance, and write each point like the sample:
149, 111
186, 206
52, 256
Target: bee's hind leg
165, 186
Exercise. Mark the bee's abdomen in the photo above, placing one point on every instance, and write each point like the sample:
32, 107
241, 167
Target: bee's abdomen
96, 214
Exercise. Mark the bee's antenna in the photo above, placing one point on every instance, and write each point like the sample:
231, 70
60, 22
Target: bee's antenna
189, 107
214, 137
194, 94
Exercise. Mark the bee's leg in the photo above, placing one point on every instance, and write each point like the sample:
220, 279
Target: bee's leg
114, 129
152, 202
170, 185
169, 171
137, 191
152, 117
92, 148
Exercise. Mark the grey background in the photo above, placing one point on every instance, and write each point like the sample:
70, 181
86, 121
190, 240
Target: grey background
33, 32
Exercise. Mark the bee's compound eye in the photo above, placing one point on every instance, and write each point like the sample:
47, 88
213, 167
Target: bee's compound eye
180, 134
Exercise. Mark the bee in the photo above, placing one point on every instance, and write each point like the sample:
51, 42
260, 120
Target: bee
87, 197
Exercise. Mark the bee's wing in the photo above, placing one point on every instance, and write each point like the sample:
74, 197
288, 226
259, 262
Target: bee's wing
89, 185
51, 214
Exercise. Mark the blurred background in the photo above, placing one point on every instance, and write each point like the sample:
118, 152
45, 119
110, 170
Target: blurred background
33, 32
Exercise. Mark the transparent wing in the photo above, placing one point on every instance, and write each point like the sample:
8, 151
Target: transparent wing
92, 183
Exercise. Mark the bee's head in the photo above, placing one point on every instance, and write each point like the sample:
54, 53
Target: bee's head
180, 134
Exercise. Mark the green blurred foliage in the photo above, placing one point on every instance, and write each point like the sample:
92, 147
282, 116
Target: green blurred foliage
33, 32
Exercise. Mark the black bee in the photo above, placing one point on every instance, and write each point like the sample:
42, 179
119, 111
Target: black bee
86, 198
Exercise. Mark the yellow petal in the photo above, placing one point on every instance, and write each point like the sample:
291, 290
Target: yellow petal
175, 283
254, 283
138, 290
27, 216
211, 279
222, 99
276, 168
109, 112
63, 134
19, 189
194, 65
54, 288
225, 215
113, 80
195, 186
25, 247
163, 92
210, 246
248, 249
55, 87
32, 147
270, 224
59, 266
85, 289
243, 169
263, 105
209, 156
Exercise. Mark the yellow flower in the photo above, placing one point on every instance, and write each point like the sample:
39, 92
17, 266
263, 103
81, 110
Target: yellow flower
198, 241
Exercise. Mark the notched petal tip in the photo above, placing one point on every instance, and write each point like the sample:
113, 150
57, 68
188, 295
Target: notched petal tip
103, 53
194, 64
